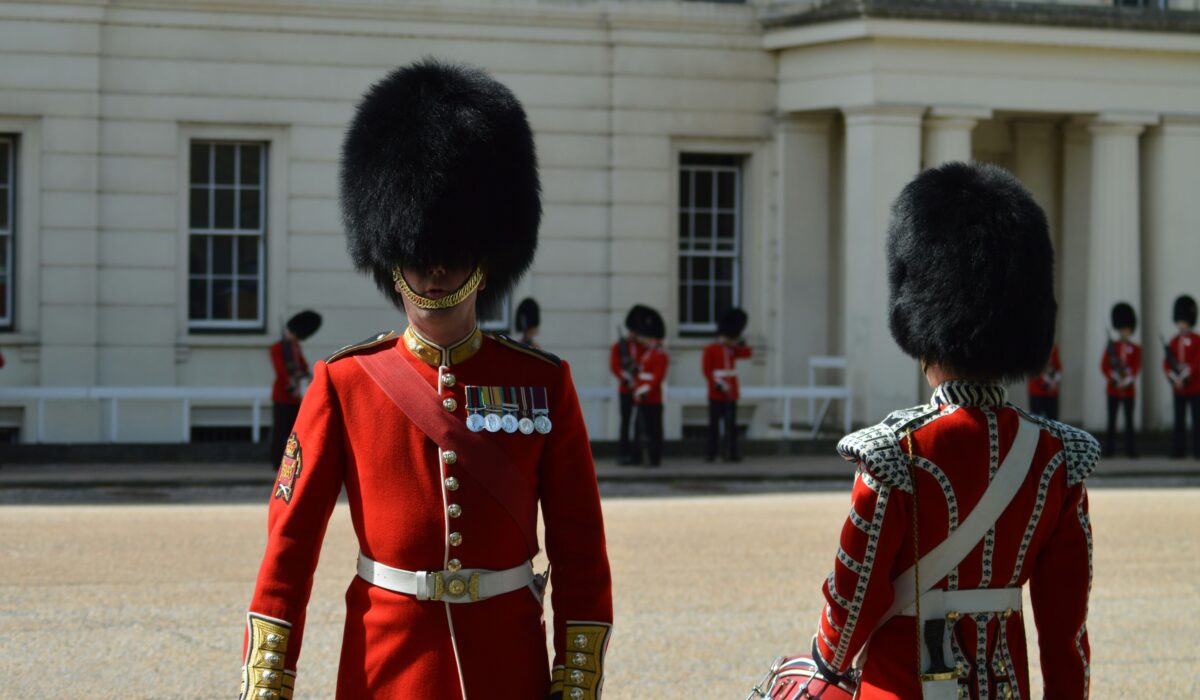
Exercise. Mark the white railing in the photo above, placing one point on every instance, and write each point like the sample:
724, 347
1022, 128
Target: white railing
113, 395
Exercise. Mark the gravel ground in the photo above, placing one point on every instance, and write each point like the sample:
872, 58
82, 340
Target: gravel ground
147, 601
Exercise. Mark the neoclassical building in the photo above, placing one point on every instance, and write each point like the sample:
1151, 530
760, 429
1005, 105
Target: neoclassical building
168, 179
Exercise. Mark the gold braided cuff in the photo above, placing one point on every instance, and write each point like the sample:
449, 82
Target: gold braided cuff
450, 300
583, 676
263, 676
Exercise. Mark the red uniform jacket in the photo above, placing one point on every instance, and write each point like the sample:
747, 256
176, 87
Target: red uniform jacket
1046, 383
1043, 537
718, 366
652, 372
1185, 347
614, 363
412, 509
284, 388
1122, 381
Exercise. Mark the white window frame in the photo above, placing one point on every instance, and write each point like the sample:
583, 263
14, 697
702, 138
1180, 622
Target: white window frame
8, 229
735, 254
502, 323
24, 287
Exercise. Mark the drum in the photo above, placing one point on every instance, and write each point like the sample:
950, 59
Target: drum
798, 678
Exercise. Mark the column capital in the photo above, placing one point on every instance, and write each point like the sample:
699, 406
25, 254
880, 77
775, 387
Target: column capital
896, 114
954, 115
1186, 123
1034, 129
1120, 123
793, 122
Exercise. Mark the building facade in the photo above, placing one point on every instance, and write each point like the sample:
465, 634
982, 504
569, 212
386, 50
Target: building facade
168, 179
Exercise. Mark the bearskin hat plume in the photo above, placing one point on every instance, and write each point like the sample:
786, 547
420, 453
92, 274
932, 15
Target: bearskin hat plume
732, 323
1123, 316
1185, 310
438, 167
971, 273
529, 315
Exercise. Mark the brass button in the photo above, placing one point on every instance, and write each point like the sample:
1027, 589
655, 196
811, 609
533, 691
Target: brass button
270, 676
457, 587
1008, 613
576, 693
451, 484
265, 693
273, 640
449, 456
952, 616
455, 539
272, 659
581, 641
577, 677
450, 405
412, 344
448, 379
579, 659
454, 510
453, 565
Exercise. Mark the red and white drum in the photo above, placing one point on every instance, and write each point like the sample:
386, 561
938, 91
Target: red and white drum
799, 678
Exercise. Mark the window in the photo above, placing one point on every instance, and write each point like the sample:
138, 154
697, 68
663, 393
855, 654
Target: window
226, 232
8, 179
710, 233
496, 320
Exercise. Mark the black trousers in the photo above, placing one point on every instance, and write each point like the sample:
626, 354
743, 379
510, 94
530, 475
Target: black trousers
1179, 436
650, 432
283, 417
628, 428
1044, 406
1110, 445
722, 412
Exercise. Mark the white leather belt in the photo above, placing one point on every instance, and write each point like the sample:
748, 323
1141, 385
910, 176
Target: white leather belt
724, 372
936, 603
462, 586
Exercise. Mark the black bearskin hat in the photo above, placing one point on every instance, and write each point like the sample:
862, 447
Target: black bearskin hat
633, 318
529, 315
732, 323
1123, 316
304, 324
650, 324
971, 273
438, 167
1185, 310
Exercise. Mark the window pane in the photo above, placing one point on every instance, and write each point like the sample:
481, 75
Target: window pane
684, 314
247, 300
726, 226
5, 151
198, 208
704, 189
685, 231
700, 313
4, 208
4, 297
701, 269
249, 206
684, 269
251, 161
685, 187
724, 298
224, 164
198, 299
703, 232
726, 187
222, 299
248, 255
223, 209
198, 170
725, 269
222, 252
198, 255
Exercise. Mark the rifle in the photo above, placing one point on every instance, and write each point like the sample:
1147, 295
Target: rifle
1179, 371
1115, 364
628, 364
1048, 374
296, 373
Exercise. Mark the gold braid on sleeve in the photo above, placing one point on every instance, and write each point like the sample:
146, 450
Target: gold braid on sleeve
263, 676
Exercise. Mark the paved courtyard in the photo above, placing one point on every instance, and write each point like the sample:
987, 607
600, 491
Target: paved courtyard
129, 601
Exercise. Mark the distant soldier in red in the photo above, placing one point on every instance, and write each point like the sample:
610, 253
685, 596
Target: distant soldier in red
527, 322
648, 387
1181, 362
1043, 388
291, 376
960, 502
719, 364
623, 362
1121, 364
445, 440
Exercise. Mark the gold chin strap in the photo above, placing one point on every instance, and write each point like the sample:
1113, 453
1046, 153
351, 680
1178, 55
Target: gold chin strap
450, 300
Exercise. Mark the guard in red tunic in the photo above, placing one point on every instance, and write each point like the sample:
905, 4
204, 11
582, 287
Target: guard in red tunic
527, 322
445, 441
1181, 362
1121, 364
719, 364
623, 362
291, 376
1043, 388
959, 503
648, 386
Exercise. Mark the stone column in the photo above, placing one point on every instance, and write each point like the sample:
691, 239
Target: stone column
948, 133
1114, 253
1072, 268
883, 152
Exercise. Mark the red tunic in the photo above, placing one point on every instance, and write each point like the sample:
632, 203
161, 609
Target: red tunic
400, 485
614, 363
1043, 537
1185, 347
652, 372
284, 389
717, 363
1046, 383
1122, 381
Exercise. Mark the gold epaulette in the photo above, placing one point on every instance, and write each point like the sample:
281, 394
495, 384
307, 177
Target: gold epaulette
527, 349
361, 345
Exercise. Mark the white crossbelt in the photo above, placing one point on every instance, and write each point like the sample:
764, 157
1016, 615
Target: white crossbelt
462, 586
724, 372
936, 603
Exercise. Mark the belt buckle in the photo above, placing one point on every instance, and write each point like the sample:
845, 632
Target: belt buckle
455, 586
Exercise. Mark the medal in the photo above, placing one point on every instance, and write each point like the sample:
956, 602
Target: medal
525, 425
509, 421
474, 408
491, 407
541, 411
